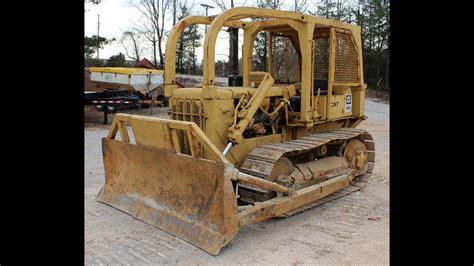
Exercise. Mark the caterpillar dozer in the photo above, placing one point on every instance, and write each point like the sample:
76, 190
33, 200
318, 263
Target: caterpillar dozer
228, 157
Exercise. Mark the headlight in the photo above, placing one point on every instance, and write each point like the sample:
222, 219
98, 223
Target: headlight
100, 108
111, 108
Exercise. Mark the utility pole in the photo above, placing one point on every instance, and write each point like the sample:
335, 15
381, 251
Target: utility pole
206, 7
98, 39
96, 2
234, 50
234, 47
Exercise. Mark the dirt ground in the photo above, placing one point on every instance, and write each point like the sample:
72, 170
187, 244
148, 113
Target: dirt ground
352, 230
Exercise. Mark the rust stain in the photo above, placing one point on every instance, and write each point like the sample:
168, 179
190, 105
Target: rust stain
179, 194
182, 26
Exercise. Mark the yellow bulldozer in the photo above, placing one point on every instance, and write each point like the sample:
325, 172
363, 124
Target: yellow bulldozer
228, 157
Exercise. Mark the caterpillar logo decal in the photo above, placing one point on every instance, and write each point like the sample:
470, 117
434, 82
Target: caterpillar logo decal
348, 103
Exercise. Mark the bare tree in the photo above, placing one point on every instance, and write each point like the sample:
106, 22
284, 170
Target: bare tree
260, 57
301, 6
148, 32
130, 39
154, 12
184, 11
226, 4
221, 4
174, 12
273, 4
234, 37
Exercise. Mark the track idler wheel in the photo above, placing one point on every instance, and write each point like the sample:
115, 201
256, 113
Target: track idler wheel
281, 174
356, 154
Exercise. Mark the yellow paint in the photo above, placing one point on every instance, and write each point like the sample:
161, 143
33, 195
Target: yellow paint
220, 122
127, 70
204, 119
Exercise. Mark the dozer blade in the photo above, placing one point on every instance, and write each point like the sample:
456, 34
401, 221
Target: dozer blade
189, 197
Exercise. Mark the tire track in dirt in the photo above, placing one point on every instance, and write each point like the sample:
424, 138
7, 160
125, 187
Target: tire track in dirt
133, 251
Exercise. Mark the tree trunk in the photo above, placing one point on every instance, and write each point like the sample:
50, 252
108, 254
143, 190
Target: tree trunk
327, 9
135, 47
154, 54
164, 5
174, 12
180, 55
160, 52
265, 52
387, 72
193, 58
233, 48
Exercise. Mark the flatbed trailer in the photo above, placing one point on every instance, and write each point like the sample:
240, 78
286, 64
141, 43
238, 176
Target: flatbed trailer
146, 83
110, 101
144, 88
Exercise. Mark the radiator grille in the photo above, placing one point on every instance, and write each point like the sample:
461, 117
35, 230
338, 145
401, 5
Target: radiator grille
346, 67
186, 109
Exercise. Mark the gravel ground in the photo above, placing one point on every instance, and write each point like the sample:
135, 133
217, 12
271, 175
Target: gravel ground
337, 232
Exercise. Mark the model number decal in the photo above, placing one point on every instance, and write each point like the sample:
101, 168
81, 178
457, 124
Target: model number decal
334, 104
348, 103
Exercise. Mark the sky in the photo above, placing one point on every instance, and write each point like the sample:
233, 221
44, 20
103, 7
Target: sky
117, 15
